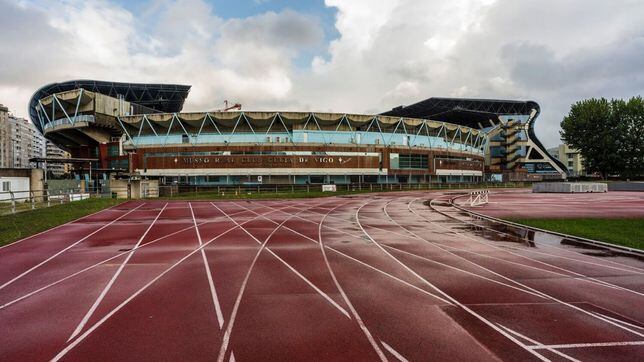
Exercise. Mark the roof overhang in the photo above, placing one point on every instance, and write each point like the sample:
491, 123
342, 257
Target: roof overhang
465, 111
167, 98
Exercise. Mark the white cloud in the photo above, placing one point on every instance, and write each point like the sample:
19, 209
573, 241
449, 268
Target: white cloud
387, 52
553, 52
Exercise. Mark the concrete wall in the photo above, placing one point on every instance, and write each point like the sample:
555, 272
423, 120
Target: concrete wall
626, 186
136, 189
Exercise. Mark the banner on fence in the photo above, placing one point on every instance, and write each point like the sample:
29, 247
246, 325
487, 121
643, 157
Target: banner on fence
329, 188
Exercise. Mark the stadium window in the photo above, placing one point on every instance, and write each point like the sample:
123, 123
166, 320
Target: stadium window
185, 138
113, 150
412, 161
6, 186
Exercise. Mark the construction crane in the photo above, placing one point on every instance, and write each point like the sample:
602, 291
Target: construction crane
228, 108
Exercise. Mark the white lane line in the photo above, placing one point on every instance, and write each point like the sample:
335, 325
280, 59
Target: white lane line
107, 287
329, 299
60, 226
106, 261
447, 296
639, 270
447, 302
344, 296
580, 276
620, 321
232, 357
588, 345
539, 344
394, 352
583, 260
233, 315
211, 283
352, 258
538, 294
324, 295
558, 300
67, 248
82, 337
359, 320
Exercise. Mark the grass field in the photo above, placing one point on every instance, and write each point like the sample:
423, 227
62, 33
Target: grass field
626, 232
17, 226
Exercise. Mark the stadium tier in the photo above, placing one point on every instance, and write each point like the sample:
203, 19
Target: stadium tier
139, 130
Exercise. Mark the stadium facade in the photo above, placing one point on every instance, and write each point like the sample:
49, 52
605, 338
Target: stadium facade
139, 130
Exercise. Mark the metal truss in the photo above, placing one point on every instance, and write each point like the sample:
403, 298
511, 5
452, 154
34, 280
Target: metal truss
155, 97
416, 132
468, 112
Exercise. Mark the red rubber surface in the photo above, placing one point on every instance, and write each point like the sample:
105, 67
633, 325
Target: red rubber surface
343, 278
524, 203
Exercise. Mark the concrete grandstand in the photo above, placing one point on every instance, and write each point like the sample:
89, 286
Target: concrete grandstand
140, 128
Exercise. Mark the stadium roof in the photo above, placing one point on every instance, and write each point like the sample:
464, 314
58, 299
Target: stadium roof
475, 113
167, 98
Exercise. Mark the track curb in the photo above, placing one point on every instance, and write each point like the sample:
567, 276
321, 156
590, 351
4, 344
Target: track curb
618, 248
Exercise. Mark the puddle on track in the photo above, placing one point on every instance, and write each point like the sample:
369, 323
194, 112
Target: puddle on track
499, 232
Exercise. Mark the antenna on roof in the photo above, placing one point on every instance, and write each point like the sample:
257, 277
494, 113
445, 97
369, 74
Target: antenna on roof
226, 108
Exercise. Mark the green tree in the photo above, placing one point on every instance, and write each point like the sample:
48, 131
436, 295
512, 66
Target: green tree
608, 134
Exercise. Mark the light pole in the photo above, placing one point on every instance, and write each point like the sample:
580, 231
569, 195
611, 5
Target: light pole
89, 183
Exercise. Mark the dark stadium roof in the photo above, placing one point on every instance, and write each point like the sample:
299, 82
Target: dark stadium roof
464, 111
167, 98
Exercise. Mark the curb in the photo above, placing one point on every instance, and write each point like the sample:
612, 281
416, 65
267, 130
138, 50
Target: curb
618, 248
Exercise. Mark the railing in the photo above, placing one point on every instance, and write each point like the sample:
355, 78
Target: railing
284, 190
70, 120
12, 202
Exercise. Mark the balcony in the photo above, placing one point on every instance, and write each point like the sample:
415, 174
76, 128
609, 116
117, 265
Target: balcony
70, 121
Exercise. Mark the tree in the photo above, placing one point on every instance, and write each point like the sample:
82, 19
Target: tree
608, 134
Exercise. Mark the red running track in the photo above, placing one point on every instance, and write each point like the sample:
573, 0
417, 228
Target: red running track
525, 204
372, 277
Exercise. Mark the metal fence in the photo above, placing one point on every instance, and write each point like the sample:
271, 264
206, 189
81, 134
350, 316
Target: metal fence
12, 202
240, 190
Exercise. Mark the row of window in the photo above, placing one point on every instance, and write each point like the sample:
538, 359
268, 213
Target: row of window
120, 164
408, 161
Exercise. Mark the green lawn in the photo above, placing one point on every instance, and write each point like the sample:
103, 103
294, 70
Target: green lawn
626, 232
17, 226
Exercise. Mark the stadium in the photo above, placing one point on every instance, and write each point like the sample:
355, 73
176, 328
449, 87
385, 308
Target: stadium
139, 130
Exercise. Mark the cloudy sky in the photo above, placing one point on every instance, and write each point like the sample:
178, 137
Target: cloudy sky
359, 56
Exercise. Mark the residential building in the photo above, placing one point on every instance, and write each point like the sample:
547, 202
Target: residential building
56, 169
570, 157
19, 141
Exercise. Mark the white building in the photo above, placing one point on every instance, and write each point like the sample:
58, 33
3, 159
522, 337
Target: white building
19, 141
56, 169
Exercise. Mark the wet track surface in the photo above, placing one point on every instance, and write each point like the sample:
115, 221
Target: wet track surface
370, 277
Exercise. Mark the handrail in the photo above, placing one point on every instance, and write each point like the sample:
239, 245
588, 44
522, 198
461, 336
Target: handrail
71, 120
13, 201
